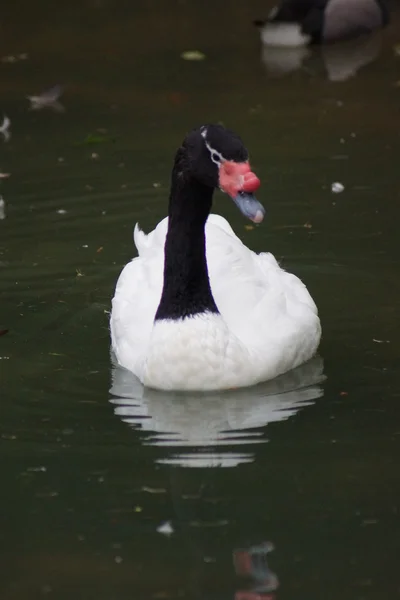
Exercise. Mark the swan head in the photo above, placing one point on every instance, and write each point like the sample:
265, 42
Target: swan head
219, 159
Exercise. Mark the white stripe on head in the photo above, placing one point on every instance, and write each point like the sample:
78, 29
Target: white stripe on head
216, 156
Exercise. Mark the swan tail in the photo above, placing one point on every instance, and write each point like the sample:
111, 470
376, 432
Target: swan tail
140, 239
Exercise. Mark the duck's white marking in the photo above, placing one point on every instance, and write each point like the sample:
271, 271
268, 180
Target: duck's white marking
284, 34
268, 322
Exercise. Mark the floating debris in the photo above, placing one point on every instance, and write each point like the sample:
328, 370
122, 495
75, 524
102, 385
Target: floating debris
13, 58
61, 211
4, 175
217, 523
48, 99
3, 331
209, 559
94, 138
5, 128
118, 560
2, 208
166, 528
380, 341
51, 494
151, 490
193, 55
337, 187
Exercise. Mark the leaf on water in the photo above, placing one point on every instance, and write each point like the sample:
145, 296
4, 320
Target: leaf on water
95, 138
249, 227
4, 175
193, 55
4, 331
138, 509
100, 249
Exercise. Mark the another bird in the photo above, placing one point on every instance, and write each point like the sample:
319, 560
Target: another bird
198, 310
303, 22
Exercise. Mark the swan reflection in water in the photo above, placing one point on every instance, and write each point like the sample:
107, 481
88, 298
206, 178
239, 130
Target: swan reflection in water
341, 61
209, 425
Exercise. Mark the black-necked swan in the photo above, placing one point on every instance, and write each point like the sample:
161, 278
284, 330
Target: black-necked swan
198, 310
303, 22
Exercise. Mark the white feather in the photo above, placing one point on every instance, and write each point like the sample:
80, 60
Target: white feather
268, 322
283, 34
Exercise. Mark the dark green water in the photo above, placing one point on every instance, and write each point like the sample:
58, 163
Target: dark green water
309, 464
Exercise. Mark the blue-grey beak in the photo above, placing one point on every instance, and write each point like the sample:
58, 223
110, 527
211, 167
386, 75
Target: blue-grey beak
249, 206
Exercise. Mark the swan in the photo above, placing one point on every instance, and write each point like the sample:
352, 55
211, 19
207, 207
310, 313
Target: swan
197, 310
303, 22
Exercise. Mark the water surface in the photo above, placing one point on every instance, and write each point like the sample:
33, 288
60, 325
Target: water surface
304, 468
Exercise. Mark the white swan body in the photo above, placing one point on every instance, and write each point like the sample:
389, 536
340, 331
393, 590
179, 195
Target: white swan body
267, 322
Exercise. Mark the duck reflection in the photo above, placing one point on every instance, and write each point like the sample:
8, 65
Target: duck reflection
340, 61
210, 425
252, 563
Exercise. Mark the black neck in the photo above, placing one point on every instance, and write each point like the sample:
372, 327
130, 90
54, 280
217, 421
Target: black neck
186, 291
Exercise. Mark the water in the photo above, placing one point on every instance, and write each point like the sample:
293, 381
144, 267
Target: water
288, 490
